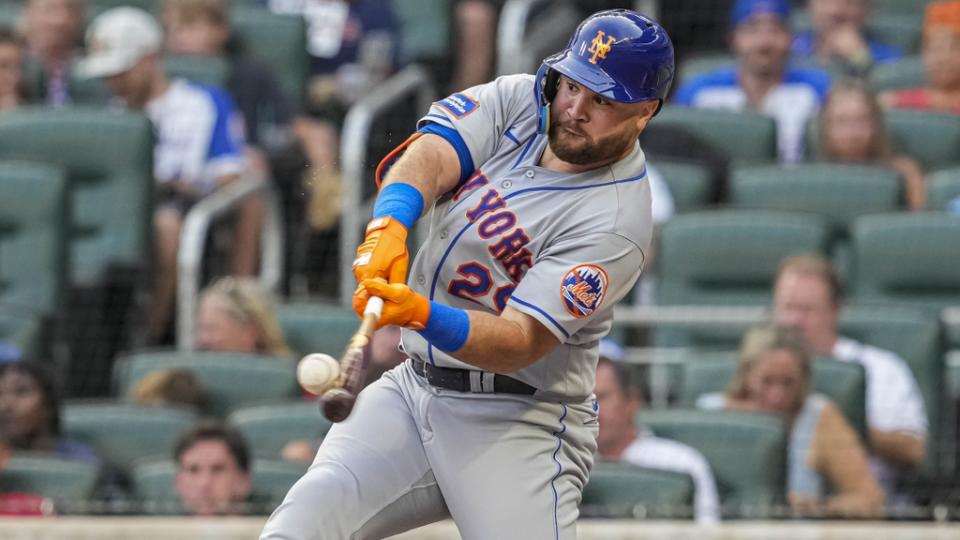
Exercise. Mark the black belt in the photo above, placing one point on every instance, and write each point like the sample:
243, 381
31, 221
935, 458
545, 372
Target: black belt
467, 380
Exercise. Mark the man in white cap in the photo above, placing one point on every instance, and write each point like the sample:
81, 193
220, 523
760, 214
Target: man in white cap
199, 144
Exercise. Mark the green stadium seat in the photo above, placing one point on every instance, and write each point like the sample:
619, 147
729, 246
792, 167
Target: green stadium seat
279, 41
206, 70
122, 433
33, 247
896, 28
108, 157
747, 453
415, 44
66, 481
231, 380
689, 183
153, 485
743, 136
701, 64
843, 382
268, 428
907, 72
313, 327
731, 256
908, 258
837, 192
931, 137
943, 189
622, 490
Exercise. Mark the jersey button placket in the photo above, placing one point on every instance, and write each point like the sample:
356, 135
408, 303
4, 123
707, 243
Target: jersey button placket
529, 173
421, 279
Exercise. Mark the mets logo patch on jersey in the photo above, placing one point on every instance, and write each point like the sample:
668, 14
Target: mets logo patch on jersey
582, 289
458, 104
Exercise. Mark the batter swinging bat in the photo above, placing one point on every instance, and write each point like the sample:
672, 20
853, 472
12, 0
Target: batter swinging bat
337, 402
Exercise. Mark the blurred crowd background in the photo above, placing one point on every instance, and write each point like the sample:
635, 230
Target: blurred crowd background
183, 183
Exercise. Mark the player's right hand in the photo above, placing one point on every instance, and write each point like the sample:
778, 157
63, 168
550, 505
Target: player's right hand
383, 253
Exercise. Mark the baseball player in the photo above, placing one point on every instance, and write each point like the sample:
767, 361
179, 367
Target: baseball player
540, 221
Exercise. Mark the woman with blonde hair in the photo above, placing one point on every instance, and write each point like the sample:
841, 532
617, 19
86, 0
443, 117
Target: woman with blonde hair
852, 130
773, 376
237, 315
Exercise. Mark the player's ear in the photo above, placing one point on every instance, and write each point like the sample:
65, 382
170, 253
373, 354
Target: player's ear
645, 111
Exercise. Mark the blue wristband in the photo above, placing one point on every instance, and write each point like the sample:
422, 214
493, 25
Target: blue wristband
400, 201
448, 327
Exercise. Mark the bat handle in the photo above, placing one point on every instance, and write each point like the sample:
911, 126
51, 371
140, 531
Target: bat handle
369, 324
374, 307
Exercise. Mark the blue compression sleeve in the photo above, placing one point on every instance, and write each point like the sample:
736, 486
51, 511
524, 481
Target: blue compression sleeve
400, 201
448, 327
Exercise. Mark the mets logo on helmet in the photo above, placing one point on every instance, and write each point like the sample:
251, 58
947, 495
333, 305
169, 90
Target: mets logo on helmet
582, 289
600, 48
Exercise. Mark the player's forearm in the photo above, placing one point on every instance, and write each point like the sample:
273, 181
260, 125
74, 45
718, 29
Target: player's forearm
897, 446
501, 345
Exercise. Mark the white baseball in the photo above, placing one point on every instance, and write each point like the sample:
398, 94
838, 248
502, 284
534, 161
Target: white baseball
317, 372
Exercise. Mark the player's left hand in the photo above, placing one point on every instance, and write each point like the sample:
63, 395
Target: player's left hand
401, 305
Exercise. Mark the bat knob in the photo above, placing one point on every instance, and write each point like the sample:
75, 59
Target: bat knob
336, 404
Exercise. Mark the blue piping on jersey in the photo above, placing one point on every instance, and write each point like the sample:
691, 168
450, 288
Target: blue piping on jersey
553, 481
540, 311
453, 137
512, 137
446, 253
525, 150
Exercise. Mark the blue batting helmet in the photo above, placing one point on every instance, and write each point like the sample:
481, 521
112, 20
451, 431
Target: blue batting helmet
619, 54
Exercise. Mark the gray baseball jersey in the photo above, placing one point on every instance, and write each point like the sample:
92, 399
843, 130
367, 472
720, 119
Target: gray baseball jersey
561, 248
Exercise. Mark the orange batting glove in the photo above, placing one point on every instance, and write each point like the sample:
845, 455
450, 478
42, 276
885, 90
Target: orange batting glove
383, 253
401, 306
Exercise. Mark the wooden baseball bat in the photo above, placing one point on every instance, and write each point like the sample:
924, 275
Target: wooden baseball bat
337, 403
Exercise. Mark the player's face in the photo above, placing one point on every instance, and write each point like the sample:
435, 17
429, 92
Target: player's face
209, 481
849, 126
829, 14
589, 129
777, 382
941, 57
762, 45
803, 301
218, 329
617, 410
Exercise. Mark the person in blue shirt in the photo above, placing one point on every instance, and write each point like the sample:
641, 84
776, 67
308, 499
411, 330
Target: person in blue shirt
762, 80
838, 37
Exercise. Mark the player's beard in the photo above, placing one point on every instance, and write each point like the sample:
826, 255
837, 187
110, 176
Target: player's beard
584, 150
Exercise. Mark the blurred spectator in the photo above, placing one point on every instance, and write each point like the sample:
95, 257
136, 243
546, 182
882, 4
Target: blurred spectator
476, 31
762, 80
30, 412
199, 141
301, 450
852, 130
620, 439
237, 315
53, 31
11, 69
280, 138
18, 503
824, 454
353, 47
170, 387
807, 296
941, 59
838, 37
213, 470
